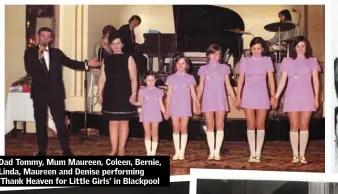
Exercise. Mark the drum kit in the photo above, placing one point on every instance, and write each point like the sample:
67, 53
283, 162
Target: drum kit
282, 47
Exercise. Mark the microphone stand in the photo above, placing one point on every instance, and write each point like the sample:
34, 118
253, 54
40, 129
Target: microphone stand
85, 137
280, 50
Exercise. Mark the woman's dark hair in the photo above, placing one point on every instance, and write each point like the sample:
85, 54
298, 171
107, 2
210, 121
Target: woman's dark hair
295, 42
148, 73
135, 17
262, 42
114, 35
286, 13
178, 57
108, 29
213, 48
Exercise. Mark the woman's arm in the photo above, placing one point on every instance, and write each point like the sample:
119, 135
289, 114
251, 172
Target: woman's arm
240, 84
133, 77
168, 98
272, 86
281, 85
193, 93
102, 81
200, 89
161, 105
139, 101
315, 81
229, 87
193, 96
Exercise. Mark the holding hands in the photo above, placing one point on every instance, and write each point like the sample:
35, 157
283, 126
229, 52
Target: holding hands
100, 99
166, 115
132, 99
94, 63
274, 102
237, 102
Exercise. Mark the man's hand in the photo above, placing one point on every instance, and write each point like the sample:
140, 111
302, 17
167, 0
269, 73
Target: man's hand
40, 52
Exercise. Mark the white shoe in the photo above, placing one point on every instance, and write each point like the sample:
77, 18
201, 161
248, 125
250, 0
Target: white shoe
175, 157
257, 159
211, 156
252, 159
303, 160
295, 159
181, 156
217, 156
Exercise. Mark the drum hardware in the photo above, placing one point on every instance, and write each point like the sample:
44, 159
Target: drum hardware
161, 78
280, 27
92, 94
239, 31
245, 52
85, 137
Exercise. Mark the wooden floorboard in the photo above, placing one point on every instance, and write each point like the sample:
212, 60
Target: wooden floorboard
276, 156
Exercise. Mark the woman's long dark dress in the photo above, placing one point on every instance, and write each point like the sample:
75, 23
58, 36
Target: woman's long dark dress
117, 89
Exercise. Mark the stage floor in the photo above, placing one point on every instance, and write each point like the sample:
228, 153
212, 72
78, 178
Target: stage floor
276, 156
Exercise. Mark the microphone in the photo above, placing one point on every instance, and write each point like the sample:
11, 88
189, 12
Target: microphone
86, 64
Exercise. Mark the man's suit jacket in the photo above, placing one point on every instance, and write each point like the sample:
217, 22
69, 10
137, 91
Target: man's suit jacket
48, 84
126, 34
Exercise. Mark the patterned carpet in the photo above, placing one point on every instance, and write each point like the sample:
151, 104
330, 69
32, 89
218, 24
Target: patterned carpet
276, 156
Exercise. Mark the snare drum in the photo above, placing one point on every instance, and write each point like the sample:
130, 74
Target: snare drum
278, 47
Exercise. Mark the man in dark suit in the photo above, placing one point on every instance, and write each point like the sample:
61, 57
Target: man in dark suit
44, 64
129, 43
128, 35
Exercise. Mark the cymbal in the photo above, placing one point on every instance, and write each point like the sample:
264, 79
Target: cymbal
238, 31
284, 26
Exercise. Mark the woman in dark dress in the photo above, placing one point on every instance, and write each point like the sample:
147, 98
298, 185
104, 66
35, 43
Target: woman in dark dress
117, 93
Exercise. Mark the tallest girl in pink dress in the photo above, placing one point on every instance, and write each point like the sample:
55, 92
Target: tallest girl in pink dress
301, 98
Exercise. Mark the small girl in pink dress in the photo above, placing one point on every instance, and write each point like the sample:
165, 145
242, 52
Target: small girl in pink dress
151, 102
212, 92
254, 98
301, 98
181, 88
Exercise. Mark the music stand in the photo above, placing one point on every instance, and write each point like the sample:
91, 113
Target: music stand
85, 137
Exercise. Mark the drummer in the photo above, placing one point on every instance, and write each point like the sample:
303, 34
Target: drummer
284, 16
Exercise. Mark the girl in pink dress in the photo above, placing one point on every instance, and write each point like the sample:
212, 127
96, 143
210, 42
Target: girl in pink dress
212, 92
301, 99
254, 96
181, 88
151, 102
